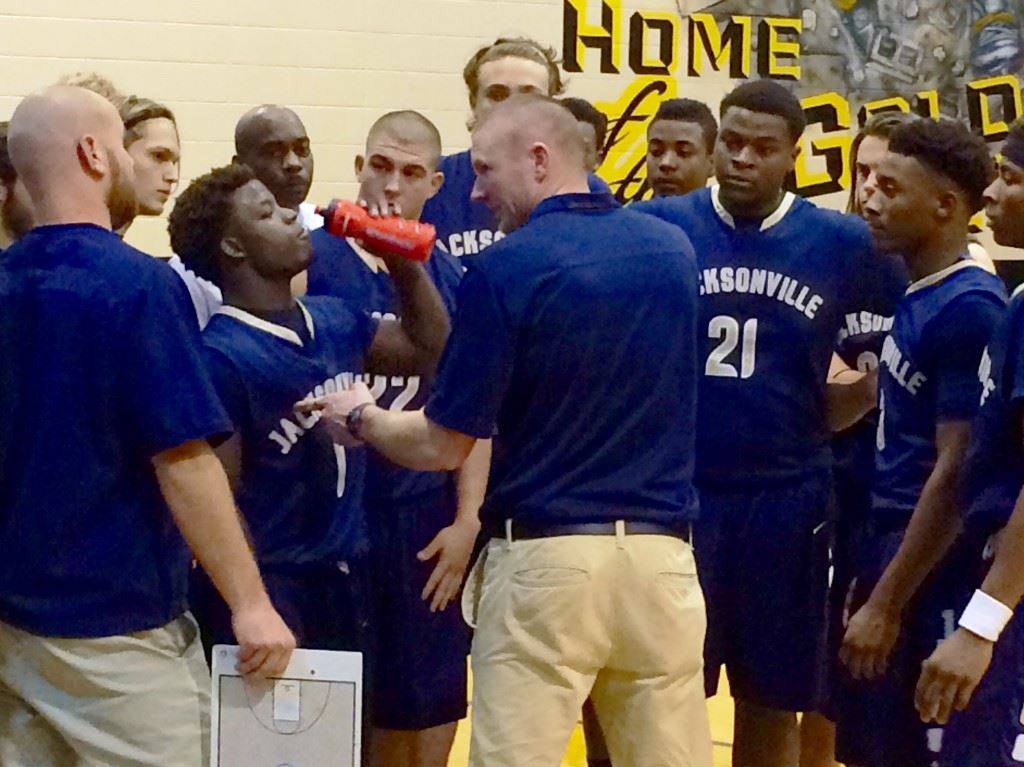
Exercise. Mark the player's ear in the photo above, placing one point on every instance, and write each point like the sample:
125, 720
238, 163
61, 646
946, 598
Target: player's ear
232, 247
436, 182
947, 203
794, 154
359, 163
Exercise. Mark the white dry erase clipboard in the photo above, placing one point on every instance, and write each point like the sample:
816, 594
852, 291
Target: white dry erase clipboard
309, 717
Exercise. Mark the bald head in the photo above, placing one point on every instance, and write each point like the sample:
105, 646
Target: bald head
527, 120
254, 125
272, 141
65, 144
525, 150
408, 130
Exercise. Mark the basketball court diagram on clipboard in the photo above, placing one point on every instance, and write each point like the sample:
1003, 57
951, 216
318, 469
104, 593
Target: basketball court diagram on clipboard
308, 717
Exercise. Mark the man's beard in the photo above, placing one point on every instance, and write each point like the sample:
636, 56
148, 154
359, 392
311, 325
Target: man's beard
121, 200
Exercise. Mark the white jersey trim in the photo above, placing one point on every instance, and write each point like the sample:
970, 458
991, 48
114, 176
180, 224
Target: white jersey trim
776, 216
374, 263
269, 327
942, 274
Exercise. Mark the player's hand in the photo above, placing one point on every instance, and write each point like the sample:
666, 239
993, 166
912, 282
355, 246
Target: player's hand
265, 642
951, 675
377, 203
869, 640
334, 409
452, 547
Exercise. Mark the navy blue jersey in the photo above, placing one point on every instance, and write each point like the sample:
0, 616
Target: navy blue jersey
994, 468
340, 269
929, 374
102, 370
576, 337
464, 226
300, 494
859, 344
773, 297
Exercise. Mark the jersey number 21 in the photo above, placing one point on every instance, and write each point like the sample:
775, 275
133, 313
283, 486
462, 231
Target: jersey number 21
727, 330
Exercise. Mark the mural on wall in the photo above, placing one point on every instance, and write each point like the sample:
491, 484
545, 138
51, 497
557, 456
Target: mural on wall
846, 59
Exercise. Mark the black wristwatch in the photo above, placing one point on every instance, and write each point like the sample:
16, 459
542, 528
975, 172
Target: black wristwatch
354, 420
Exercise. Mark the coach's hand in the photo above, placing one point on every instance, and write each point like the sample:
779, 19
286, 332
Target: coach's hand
334, 409
265, 642
452, 546
951, 675
869, 640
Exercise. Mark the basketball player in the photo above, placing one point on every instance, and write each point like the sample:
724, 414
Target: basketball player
680, 146
859, 348
300, 495
152, 140
778, 277
272, 141
925, 190
508, 66
979, 669
420, 691
593, 125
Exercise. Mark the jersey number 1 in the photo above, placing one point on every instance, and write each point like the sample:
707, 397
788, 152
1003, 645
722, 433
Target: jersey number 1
728, 330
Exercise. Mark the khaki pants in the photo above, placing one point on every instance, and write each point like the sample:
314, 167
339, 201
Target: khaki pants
618, 617
133, 700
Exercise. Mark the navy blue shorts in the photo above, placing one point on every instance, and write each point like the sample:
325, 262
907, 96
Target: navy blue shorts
853, 505
989, 732
421, 680
763, 560
877, 722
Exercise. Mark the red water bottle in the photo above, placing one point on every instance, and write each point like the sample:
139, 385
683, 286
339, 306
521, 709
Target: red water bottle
410, 239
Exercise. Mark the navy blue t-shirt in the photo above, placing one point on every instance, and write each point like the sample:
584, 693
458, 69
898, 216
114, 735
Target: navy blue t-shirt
575, 336
994, 467
465, 227
339, 270
102, 370
860, 346
300, 494
773, 297
929, 374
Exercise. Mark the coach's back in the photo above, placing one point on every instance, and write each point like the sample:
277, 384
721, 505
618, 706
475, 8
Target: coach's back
594, 309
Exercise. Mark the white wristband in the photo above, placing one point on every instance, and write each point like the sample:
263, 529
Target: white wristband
985, 616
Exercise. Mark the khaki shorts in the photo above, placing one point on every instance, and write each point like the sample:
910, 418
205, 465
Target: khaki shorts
618, 617
132, 700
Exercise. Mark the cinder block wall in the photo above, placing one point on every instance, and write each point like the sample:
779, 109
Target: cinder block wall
338, 63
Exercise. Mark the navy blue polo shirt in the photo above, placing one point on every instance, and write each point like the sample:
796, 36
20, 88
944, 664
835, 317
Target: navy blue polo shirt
102, 370
339, 269
575, 338
465, 226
